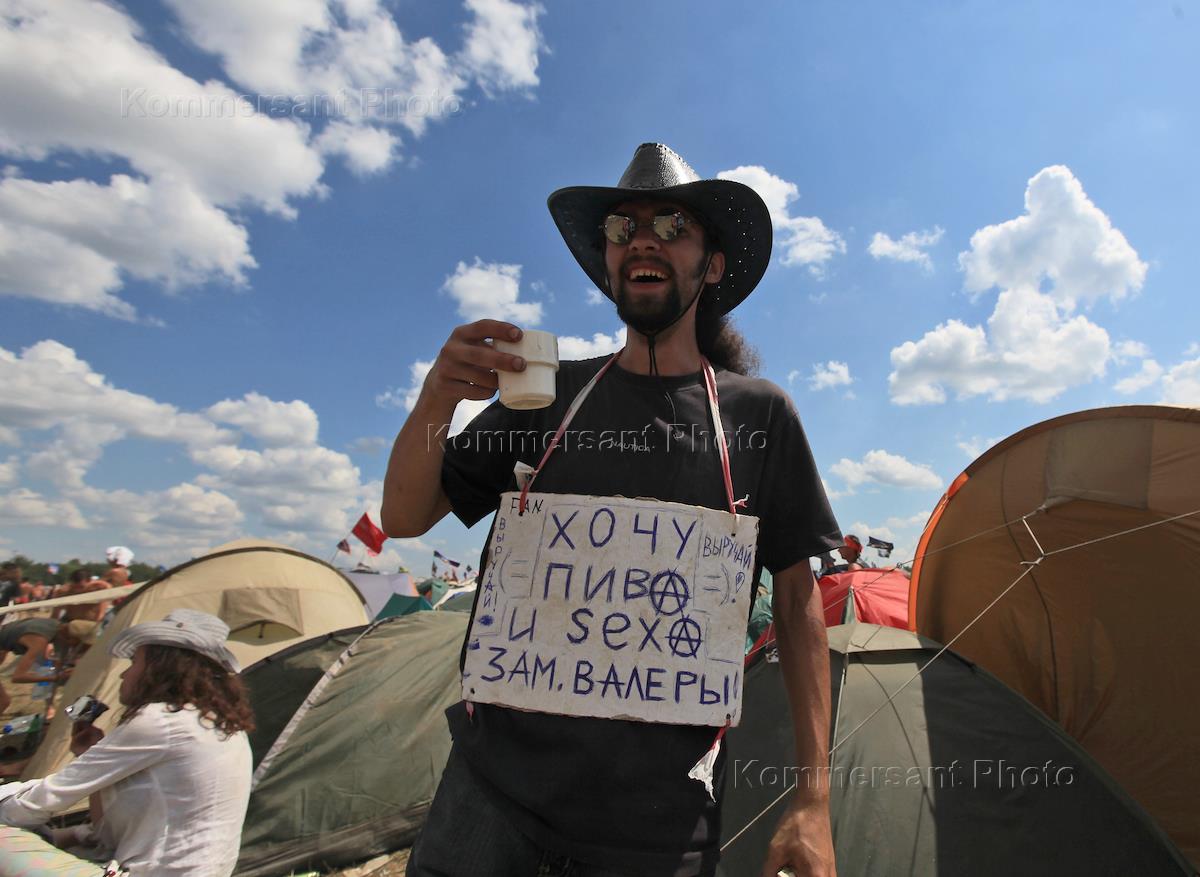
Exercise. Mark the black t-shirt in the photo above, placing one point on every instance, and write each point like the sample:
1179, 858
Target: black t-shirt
611, 791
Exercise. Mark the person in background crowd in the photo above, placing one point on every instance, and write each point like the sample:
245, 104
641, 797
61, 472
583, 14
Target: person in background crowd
119, 557
83, 620
10, 582
31, 639
169, 785
851, 552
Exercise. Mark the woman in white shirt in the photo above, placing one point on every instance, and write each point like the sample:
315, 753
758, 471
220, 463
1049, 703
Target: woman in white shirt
169, 784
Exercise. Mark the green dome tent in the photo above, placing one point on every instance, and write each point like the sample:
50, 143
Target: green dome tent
359, 744
403, 604
1100, 510
957, 775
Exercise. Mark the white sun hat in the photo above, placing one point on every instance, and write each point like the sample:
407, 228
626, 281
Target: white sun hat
119, 555
183, 629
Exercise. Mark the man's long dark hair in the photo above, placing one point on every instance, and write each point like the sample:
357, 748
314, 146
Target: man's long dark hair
181, 677
716, 335
721, 342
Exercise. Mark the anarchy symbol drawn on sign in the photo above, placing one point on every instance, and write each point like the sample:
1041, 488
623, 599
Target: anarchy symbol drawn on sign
684, 637
668, 593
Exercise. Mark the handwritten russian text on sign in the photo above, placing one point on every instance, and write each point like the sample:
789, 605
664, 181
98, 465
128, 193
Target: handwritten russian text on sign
613, 607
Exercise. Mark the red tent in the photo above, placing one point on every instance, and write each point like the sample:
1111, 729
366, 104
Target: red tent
880, 596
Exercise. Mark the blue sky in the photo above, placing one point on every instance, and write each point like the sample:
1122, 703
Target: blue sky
231, 234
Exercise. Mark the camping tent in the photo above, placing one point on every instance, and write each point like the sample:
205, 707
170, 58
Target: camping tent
378, 588
1100, 510
347, 758
278, 684
402, 604
957, 775
460, 598
880, 596
433, 589
268, 594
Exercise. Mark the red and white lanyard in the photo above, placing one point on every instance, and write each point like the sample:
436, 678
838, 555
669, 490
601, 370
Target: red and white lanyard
710, 384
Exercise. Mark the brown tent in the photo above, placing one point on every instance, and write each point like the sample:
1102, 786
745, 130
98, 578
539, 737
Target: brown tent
1101, 512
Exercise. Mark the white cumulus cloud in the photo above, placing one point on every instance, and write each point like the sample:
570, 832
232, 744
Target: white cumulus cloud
275, 424
491, 290
571, 347
25, 508
910, 247
1181, 385
48, 387
803, 240
1063, 242
503, 42
881, 467
62, 416
1063, 251
829, 374
1124, 350
916, 520
1146, 376
976, 445
9, 471
316, 79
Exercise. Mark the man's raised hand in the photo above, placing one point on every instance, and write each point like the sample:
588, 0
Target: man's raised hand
466, 365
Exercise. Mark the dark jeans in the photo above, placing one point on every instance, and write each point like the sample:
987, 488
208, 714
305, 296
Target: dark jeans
466, 835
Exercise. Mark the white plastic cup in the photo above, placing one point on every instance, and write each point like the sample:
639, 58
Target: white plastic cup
534, 387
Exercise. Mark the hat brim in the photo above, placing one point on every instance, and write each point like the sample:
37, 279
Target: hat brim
732, 210
162, 633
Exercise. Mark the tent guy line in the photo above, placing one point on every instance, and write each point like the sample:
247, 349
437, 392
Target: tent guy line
1030, 565
834, 748
1123, 533
1022, 519
962, 541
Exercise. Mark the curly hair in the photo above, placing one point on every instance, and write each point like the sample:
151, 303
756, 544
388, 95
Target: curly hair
181, 677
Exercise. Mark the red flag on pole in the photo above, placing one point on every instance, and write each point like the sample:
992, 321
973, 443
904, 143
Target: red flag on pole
344, 545
370, 535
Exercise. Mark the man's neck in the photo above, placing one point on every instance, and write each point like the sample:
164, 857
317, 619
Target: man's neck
675, 351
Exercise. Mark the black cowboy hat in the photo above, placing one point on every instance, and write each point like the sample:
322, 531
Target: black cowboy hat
731, 211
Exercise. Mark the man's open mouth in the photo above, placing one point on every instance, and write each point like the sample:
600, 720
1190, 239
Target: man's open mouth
646, 275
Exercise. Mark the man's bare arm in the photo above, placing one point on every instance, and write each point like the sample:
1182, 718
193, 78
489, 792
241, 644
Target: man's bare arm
804, 840
413, 499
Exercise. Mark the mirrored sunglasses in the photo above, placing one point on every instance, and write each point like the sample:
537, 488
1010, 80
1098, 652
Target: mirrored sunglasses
621, 229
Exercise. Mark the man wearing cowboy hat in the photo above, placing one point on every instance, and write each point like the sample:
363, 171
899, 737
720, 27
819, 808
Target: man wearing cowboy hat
592, 796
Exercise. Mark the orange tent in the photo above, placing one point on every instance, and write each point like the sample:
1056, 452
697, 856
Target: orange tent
1096, 518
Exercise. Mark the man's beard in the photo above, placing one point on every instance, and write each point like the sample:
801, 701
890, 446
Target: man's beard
647, 315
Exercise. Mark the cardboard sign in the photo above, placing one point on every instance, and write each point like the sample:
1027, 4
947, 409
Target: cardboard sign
613, 607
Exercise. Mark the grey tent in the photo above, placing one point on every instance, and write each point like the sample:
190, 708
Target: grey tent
351, 742
957, 775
